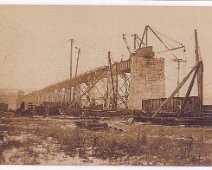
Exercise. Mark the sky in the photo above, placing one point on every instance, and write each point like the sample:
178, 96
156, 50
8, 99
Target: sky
35, 40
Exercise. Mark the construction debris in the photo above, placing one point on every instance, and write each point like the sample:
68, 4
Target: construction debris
92, 125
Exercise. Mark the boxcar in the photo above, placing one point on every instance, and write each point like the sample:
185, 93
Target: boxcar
3, 107
151, 105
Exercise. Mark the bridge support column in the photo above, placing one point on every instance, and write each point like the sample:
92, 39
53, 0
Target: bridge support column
147, 78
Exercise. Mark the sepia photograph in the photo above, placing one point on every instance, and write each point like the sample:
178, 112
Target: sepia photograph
103, 85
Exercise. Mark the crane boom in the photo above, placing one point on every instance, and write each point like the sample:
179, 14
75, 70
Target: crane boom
125, 40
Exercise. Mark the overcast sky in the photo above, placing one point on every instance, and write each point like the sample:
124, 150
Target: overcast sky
35, 46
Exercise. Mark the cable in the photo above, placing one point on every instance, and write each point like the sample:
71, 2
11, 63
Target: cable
168, 37
162, 41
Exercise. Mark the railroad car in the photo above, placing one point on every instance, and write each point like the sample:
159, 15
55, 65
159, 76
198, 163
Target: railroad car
3, 107
192, 105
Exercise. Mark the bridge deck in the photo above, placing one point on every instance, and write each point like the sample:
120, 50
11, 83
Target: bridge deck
122, 67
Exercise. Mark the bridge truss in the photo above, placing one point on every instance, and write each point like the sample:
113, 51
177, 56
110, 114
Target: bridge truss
105, 88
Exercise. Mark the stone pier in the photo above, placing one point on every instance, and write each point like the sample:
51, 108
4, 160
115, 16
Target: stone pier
147, 77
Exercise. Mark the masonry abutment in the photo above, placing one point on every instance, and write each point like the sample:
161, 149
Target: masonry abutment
147, 77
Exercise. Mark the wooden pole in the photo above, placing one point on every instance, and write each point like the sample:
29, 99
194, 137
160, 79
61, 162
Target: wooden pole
178, 76
178, 60
117, 86
71, 54
111, 74
200, 73
77, 61
176, 90
188, 91
142, 39
125, 40
201, 86
134, 40
75, 88
147, 35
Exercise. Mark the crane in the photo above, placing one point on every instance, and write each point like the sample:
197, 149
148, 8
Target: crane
158, 35
125, 40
